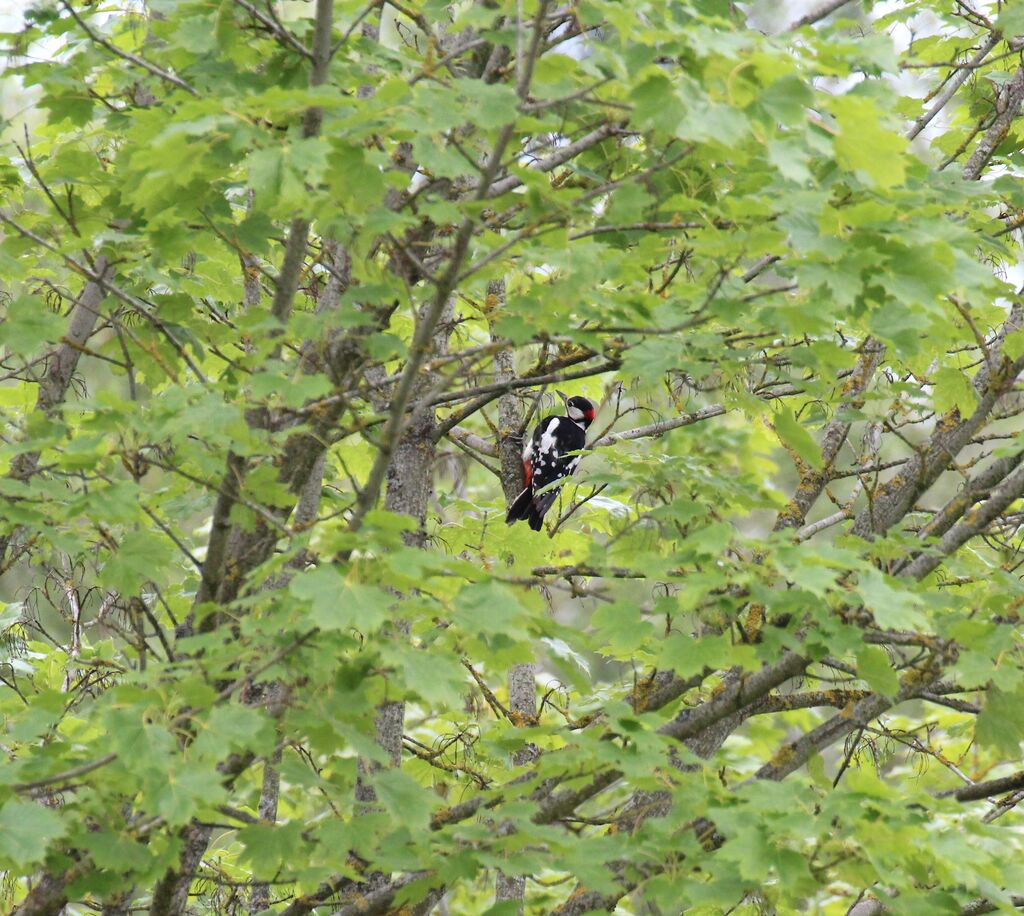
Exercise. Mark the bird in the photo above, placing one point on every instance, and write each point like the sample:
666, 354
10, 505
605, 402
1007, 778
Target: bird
551, 454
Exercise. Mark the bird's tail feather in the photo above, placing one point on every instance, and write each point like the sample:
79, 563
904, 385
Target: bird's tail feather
539, 506
521, 507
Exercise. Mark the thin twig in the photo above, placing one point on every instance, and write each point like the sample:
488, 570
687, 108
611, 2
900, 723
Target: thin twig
816, 15
67, 775
127, 55
282, 34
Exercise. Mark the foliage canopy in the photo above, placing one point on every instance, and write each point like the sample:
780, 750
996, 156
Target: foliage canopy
282, 286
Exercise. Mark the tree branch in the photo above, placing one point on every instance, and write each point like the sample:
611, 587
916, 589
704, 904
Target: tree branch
795, 754
993, 787
66, 775
954, 83
60, 369
813, 480
127, 55
282, 34
746, 690
817, 14
559, 157
1012, 98
926, 466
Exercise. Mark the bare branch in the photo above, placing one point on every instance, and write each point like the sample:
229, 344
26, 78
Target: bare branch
954, 84
795, 754
99, 277
298, 232
66, 775
127, 55
559, 157
926, 466
993, 787
746, 690
1011, 489
60, 368
1011, 100
813, 480
282, 34
816, 15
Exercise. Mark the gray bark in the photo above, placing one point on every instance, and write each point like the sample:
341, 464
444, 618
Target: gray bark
298, 233
1011, 100
305, 514
795, 754
927, 465
692, 722
170, 896
522, 689
60, 369
410, 474
410, 484
389, 723
817, 14
953, 85
992, 787
1010, 490
976, 907
522, 701
235, 551
251, 289
814, 480
119, 905
259, 898
867, 907
47, 897
510, 411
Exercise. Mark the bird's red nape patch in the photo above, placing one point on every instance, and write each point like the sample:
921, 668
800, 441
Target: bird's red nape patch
528, 472
590, 413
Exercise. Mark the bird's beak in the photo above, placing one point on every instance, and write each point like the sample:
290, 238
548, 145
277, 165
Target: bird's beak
562, 395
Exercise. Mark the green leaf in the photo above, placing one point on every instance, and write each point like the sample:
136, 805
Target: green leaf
893, 608
26, 831
29, 322
336, 604
493, 104
186, 792
873, 666
654, 100
864, 145
232, 727
796, 438
268, 848
1000, 724
954, 391
404, 798
1010, 20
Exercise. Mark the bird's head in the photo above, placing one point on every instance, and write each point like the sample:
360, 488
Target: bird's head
579, 410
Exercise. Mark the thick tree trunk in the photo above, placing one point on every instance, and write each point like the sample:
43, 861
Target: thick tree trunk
510, 411
522, 690
522, 701
305, 513
47, 897
410, 484
259, 898
121, 905
170, 896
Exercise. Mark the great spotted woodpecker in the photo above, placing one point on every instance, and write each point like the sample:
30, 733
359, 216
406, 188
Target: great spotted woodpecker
548, 457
